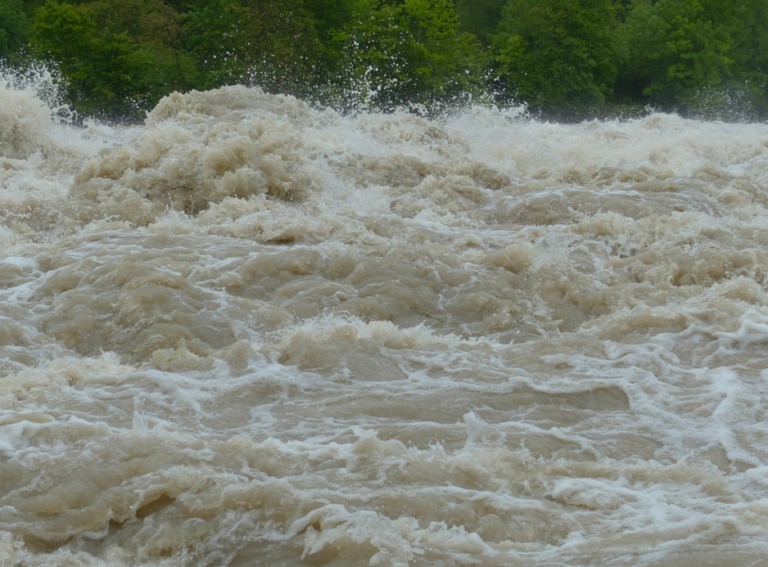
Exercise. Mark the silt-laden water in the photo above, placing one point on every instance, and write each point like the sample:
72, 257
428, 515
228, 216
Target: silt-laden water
251, 332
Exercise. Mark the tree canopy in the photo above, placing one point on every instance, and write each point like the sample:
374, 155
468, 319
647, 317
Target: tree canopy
563, 58
557, 54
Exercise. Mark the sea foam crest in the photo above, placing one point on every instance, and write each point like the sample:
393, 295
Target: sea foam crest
31, 101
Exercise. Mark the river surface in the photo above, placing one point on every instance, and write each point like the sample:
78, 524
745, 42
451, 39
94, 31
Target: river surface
252, 332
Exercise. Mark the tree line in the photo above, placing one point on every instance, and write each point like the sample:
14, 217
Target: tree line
566, 59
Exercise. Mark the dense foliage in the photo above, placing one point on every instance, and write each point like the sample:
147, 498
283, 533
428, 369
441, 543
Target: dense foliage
564, 58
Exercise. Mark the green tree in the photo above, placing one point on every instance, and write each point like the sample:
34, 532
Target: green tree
331, 16
66, 34
480, 17
557, 55
333, 20
274, 44
14, 28
674, 49
156, 30
750, 54
411, 52
109, 72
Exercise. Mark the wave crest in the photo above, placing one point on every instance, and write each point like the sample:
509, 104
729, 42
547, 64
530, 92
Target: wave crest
200, 148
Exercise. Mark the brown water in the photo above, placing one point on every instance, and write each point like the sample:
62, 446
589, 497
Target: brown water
249, 332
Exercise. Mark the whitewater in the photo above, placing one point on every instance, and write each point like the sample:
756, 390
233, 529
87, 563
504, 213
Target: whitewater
250, 331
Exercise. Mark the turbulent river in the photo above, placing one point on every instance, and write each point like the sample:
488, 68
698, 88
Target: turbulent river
252, 332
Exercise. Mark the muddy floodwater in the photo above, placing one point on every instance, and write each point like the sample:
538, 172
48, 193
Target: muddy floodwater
253, 332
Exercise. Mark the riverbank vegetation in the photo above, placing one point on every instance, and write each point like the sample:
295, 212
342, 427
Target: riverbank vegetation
563, 59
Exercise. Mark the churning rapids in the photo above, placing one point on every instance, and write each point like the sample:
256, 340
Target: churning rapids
250, 332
